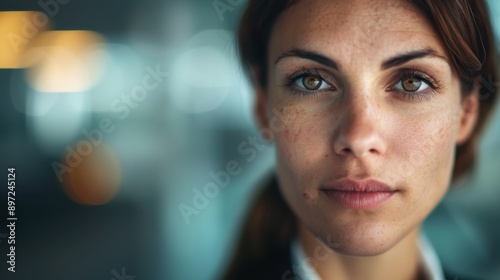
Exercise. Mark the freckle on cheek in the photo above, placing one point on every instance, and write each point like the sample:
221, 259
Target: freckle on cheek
306, 196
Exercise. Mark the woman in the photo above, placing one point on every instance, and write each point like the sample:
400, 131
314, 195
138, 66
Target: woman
374, 106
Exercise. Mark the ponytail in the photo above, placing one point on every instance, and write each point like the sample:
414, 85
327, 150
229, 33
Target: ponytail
262, 251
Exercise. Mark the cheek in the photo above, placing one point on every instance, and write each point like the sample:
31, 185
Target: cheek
303, 143
424, 146
300, 154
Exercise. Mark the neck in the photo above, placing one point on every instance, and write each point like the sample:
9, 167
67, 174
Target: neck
402, 261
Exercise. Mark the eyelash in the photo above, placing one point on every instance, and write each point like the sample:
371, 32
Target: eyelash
434, 85
302, 73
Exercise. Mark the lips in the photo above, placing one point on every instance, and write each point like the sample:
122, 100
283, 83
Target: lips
359, 194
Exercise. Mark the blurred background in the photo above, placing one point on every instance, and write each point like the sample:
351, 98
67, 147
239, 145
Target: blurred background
120, 117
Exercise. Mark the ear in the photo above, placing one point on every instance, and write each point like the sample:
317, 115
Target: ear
261, 104
469, 114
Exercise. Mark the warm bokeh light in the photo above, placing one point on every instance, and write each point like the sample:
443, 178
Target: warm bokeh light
65, 61
95, 174
18, 29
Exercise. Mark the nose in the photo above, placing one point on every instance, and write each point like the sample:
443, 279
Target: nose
359, 132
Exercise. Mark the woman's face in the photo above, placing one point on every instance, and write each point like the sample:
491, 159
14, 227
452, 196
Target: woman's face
363, 90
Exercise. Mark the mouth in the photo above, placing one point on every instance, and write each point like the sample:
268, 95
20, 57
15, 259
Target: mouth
353, 194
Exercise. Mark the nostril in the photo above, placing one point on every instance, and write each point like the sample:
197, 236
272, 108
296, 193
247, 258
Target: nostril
345, 151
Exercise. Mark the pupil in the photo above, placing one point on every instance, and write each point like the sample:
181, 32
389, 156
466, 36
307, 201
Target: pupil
311, 83
411, 84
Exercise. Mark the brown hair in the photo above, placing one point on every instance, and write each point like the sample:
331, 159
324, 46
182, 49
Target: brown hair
466, 31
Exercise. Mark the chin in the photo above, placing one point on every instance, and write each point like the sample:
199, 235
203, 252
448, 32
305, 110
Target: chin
361, 249
360, 242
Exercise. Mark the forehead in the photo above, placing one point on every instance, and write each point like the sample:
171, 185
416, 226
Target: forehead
354, 28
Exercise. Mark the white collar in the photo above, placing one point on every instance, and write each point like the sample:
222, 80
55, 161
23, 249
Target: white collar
305, 271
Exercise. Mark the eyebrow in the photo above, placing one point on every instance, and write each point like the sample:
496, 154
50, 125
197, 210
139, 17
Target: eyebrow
403, 58
391, 62
307, 54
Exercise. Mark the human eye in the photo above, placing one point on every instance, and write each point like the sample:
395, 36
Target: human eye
415, 84
310, 82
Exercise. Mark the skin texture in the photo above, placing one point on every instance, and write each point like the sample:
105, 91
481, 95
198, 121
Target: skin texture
361, 125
